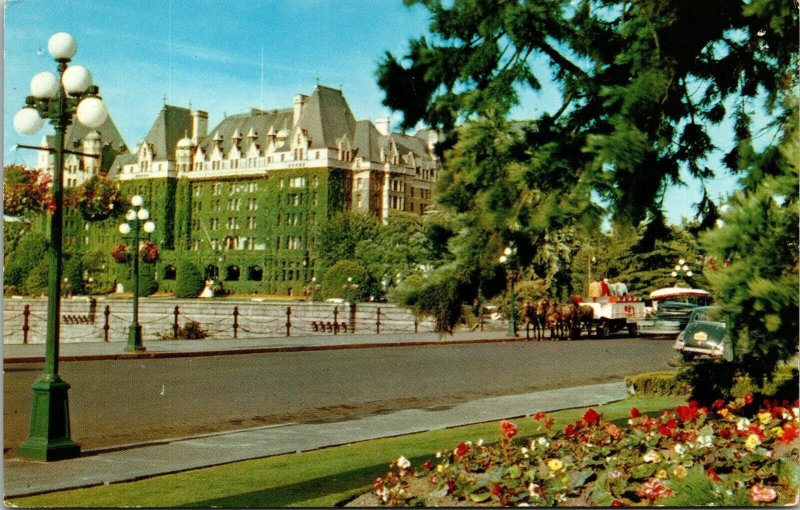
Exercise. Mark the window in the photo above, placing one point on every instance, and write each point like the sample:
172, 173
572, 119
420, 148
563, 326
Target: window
217, 187
252, 204
170, 272
232, 273
251, 222
297, 182
255, 274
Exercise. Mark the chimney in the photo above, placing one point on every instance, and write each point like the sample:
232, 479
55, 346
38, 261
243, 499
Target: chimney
382, 125
299, 104
199, 127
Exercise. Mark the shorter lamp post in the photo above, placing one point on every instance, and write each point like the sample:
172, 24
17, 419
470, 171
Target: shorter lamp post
136, 214
507, 259
682, 270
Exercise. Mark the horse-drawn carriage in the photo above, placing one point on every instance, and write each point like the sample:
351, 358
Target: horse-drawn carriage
601, 317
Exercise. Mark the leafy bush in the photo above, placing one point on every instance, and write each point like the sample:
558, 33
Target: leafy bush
31, 250
188, 280
36, 281
192, 330
335, 283
657, 384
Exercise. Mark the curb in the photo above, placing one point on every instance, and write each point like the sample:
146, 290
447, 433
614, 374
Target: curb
253, 350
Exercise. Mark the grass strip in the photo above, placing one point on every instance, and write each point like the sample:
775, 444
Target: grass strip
319, 478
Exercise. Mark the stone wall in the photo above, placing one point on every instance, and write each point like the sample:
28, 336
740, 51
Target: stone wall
88, 320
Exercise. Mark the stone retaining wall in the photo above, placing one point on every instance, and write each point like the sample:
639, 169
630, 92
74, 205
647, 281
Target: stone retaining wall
89, 320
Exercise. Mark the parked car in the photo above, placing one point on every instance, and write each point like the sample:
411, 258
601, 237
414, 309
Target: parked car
670, 318
706, 334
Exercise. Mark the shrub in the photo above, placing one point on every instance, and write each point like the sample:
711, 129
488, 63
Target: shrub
31, 250
335, 284
657, 384
36, 281
188, 280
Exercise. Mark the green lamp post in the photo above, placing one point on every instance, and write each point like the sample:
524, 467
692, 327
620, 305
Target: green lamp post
507, 259
57, 99
136, 214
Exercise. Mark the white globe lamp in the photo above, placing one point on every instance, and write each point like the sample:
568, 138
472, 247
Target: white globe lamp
92, 112
137, 200
143, 214
62, 46
27, 121
125, 229
76, 80
44, 85
130, 215
149, 227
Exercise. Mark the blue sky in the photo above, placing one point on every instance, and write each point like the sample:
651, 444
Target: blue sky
209, 54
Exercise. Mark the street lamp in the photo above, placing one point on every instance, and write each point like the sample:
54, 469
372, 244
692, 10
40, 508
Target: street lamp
57, 99
682, 270
136, 214
507, 260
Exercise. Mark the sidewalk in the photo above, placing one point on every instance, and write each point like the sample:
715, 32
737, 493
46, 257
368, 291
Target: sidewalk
19, 353
170, 456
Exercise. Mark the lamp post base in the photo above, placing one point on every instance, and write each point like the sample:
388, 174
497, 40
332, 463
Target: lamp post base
135, 339
49, 434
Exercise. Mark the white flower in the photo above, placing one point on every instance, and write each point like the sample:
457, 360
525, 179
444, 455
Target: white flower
532, 490
796, 412
652, 456
705, 441
743, 424
562, 497
524, 450
543, 442
680, 449
438, 455
480, 442
403, 463
761, 33
523, 504
469, 443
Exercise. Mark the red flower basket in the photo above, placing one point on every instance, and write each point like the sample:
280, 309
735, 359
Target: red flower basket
149, 252
25, 191
121, 253
98, 198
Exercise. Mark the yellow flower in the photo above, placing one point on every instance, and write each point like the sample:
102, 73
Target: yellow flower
440, 468
723, 412
680, 471
752, 441
764, 418
555, 465
662, 474
778, 431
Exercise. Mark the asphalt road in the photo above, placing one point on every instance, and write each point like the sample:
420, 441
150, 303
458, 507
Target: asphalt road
129, 401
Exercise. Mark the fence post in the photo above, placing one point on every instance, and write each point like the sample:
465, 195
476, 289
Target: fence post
378, 320
235, 322
335, 320
106, 325
526, 309
352, 317
175, 323
288, 321
416, 325
25, 326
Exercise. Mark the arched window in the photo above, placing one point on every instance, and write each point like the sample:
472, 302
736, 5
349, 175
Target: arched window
232, 273
255, 274
170, 272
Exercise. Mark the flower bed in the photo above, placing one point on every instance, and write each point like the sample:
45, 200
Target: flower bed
733, 454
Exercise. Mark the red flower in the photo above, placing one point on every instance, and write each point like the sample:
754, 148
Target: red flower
497, 489
635, 413
790, 433
665, 431
693, 404
748, 399
711, 473
725, 433
686, 413
617, 503
591, 417
462, 449
570, 430
653, 489
509, 430
718, 404
427, 464
538, 416
451, 486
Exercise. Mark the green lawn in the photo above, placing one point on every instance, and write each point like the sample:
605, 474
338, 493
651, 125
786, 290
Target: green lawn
320, 478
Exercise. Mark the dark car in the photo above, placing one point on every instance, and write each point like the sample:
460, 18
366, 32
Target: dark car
706, 334
670, 318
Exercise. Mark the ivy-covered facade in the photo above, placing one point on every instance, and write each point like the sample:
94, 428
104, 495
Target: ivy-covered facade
245, 200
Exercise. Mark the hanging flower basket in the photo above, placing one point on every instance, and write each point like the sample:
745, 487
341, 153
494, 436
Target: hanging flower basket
121, 253
25, 191
98, 198
149, 252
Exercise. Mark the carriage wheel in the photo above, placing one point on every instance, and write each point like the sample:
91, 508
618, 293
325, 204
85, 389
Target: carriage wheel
575, 333
603, 330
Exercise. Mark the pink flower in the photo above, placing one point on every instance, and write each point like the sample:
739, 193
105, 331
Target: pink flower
761, 494
653, 489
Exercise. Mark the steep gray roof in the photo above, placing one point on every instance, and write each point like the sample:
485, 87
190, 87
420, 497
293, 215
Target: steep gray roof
172, 124
367, 141
111, 140
126, 158
260, 121
326, 118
